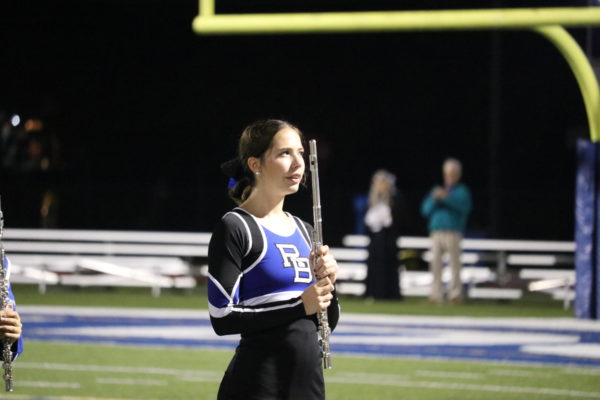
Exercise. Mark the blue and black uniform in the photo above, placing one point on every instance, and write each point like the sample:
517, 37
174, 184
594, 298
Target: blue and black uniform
256, 278
17, 347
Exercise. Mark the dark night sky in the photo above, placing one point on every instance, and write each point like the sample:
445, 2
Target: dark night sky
146, 110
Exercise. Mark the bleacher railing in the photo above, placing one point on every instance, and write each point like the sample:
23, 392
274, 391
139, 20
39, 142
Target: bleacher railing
178, 259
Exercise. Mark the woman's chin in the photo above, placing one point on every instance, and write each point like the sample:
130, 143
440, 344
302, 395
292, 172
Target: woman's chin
292, 189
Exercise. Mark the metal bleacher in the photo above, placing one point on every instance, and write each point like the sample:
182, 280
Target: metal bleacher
546, 266
104, 258
178, 260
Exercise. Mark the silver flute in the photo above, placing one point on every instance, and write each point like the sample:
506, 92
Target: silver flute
324, 330
5, 302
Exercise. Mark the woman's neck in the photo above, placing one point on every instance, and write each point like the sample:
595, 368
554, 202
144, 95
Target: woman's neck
261, 205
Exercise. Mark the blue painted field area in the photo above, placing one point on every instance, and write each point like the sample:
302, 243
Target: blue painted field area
544, 340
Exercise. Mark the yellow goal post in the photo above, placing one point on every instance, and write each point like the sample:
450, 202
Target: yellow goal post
550, 22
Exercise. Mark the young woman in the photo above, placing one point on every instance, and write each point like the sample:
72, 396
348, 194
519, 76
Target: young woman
262, 281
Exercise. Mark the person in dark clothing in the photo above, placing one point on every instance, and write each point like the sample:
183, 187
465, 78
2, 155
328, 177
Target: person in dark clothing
262, 278
383, 280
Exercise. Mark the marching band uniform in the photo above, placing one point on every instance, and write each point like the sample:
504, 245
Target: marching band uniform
17, 347
256, 278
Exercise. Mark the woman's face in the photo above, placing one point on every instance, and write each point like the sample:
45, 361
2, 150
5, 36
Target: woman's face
451, 174
381, 184
282, 166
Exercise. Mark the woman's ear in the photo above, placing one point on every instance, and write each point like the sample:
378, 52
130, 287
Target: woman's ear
254, 164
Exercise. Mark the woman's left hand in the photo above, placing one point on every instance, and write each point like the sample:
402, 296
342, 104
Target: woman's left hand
326, 265
10, 325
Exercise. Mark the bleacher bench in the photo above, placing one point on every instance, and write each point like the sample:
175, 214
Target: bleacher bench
104, 258
178, 259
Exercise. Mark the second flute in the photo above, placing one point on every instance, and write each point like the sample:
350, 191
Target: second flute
324, 330
5, 303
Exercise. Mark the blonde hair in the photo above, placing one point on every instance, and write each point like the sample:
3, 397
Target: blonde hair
383, 187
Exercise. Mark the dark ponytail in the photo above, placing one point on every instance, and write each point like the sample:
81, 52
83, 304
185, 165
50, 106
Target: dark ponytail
242, 189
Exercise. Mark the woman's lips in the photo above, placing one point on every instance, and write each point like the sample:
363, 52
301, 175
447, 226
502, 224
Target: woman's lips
295, 178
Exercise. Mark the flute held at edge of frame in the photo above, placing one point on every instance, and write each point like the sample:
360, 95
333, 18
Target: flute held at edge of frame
10, 321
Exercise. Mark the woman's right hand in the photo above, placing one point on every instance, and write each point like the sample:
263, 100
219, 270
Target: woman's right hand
317, 296
10, 325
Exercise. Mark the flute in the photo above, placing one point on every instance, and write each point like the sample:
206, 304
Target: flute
324, 330
5, 303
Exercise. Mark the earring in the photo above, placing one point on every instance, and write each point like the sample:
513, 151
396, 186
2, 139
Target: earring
257, 173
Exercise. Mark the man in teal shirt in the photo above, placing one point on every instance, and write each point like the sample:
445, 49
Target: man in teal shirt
447, 209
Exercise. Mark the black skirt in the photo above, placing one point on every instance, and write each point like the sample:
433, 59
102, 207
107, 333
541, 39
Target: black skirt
283, 363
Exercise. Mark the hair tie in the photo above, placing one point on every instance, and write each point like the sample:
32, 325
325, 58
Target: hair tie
232, 182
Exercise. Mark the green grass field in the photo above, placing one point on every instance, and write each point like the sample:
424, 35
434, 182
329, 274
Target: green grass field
71, 371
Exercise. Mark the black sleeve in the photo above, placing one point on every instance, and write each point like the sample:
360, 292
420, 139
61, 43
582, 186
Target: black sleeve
227, 248
248, 320
333, 312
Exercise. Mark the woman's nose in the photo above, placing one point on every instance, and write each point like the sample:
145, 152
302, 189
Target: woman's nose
298, 161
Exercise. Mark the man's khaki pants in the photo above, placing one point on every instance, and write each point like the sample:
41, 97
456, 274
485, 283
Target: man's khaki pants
442, 242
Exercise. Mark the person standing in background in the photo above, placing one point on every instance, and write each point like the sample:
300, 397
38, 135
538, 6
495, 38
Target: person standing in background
383, 280
447, 209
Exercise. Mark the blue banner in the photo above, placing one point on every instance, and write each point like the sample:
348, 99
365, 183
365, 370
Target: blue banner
587, 220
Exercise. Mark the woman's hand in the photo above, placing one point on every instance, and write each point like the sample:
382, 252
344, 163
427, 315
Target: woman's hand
317, 296
326, 265
10, 325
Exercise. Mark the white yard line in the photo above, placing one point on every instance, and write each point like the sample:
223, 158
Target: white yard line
214, 378
346, 378
583, 350
581, 371
127, 381
390, 380
519, 373
449, 375
53, 385
450, 359
113, 368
